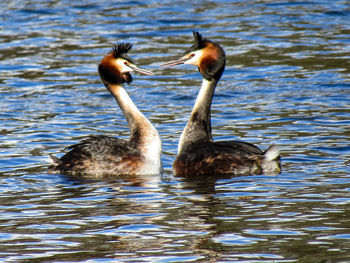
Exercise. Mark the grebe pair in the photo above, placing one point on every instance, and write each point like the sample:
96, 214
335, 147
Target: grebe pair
197, 154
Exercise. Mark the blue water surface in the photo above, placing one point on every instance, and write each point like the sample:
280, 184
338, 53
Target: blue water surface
286, 82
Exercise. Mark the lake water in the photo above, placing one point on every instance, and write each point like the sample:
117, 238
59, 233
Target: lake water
286, 82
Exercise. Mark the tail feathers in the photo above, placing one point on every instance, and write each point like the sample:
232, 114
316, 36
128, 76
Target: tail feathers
271, 163
272, 153
55, 164
54, 160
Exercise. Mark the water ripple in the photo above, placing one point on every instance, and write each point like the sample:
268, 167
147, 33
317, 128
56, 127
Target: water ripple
286, 82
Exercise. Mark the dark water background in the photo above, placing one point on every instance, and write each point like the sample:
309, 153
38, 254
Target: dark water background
286, 82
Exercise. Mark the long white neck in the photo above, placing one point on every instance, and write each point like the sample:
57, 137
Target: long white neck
142, 131
198, 128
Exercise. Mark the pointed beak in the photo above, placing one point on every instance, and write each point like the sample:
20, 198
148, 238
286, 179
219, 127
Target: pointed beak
140, 70
175, 62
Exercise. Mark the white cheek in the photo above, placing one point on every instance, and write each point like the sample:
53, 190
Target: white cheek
195, 59
120, 64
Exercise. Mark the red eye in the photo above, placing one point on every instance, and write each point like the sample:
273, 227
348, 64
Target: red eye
125, 63
192, 55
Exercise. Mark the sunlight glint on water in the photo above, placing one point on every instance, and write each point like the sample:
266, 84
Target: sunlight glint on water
286, 82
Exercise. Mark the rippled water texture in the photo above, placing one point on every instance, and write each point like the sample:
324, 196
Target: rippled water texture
286, 82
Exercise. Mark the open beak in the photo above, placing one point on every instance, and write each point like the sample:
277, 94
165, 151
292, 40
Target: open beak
175, 62
140, 70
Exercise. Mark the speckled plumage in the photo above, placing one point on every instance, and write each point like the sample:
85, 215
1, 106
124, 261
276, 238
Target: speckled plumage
221, 158
100, 155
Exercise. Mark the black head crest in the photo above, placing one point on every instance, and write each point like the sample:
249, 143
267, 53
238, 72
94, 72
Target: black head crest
121, 50
199, 41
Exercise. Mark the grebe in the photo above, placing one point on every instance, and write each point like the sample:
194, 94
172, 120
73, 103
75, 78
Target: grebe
198, 154
103, 155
